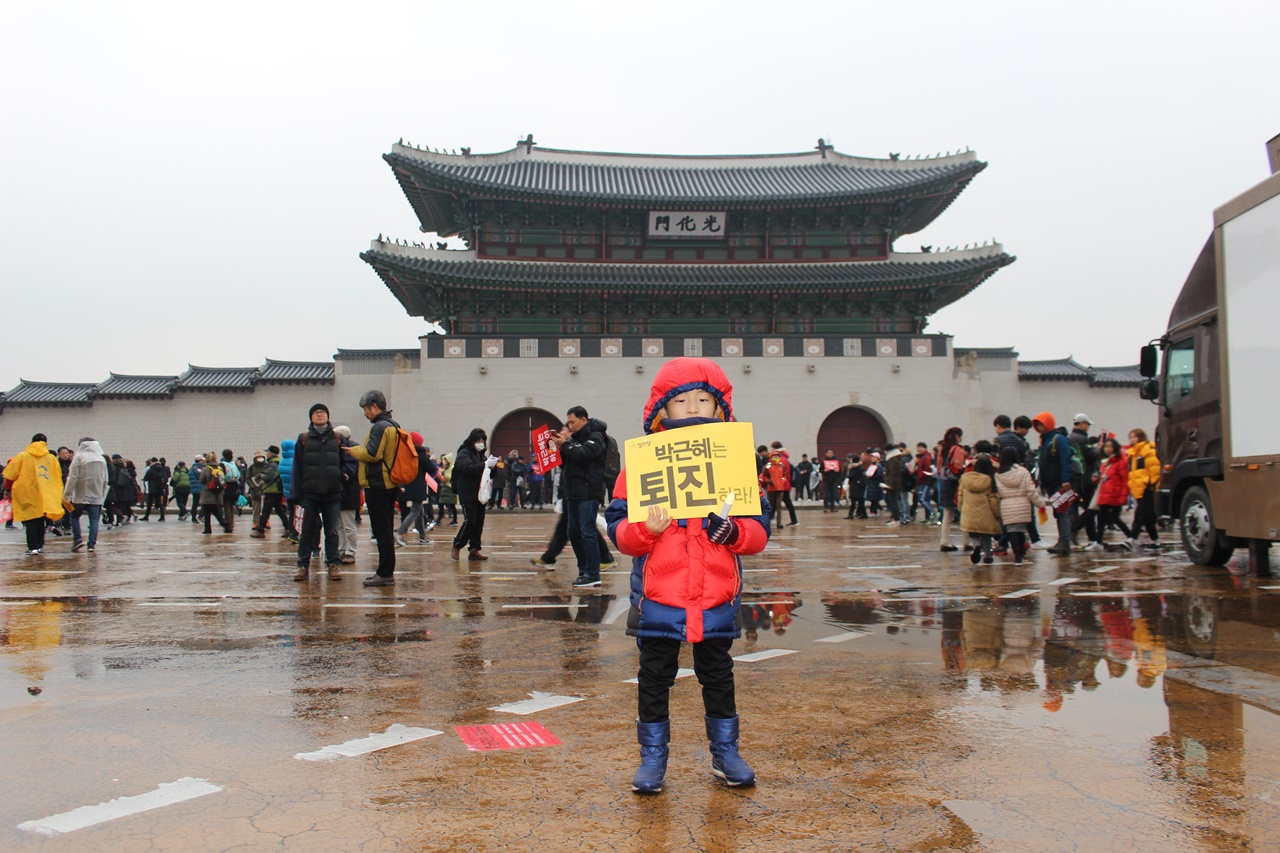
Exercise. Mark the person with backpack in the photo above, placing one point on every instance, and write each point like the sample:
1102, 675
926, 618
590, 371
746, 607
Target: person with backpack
612, 465
1055, 472
181, 482
951, 463
272, 485
231, 488
157, 481
1084, 478
317, 490
377, 457
211, 478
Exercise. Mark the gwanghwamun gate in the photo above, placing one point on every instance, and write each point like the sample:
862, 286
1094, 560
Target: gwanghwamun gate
584, 271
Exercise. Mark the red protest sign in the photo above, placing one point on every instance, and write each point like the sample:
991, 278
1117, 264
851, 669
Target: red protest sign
506, 736
547, 451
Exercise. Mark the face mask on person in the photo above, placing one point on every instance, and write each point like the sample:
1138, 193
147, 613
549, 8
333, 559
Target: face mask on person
480, 446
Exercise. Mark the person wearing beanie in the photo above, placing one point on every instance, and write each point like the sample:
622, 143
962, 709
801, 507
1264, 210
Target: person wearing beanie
416, 496
316, 489
376, 456
1055, 473
686, 586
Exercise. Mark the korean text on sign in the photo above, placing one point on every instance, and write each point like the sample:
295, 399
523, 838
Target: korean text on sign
690, 471
547, 451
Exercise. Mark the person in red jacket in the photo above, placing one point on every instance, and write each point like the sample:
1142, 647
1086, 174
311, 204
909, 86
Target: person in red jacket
686, 586
1113, 491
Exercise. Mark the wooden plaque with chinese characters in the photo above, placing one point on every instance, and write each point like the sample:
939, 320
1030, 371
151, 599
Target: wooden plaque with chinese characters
691, 470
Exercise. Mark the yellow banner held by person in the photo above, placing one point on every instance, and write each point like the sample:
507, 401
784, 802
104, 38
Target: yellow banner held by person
692, 470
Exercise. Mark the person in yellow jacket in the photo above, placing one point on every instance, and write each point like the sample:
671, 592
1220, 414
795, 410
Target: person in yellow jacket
1144, 476
376, 457
34, 479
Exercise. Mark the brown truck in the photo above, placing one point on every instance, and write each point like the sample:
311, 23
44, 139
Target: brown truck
1218, 436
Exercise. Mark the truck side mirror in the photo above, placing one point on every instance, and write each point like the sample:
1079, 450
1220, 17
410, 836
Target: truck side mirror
1148, 363
1149, 389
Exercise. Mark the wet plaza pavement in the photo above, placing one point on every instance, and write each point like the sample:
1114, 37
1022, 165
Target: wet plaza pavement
892, 698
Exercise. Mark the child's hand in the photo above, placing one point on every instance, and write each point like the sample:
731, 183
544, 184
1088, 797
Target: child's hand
658, 520
722, 531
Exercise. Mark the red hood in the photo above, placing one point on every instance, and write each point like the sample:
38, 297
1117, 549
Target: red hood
687, 374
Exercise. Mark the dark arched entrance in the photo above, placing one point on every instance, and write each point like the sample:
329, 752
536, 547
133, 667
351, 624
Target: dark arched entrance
850, 430
512, 432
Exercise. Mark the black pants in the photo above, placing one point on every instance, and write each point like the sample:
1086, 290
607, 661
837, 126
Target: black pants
786, 501
382, 513
560, 538
273, 502
180, 497
156, 499
472, 527
830, 492
211, 511
35, 533
1144, 516
659, 660
1109, 516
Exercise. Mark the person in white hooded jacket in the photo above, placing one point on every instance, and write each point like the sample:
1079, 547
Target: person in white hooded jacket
86, 490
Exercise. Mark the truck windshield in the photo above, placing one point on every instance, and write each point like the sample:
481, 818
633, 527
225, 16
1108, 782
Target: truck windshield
1180, 370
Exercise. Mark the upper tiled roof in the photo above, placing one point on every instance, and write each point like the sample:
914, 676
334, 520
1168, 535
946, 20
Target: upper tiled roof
985, 352
50, 393
1062, 368
296, 372
1115, 376
549, 174
218, 378
120, 385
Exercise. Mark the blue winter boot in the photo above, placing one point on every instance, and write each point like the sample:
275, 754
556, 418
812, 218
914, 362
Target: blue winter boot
725, 760
653, 738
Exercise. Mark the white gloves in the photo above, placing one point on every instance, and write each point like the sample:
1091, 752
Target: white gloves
491, 461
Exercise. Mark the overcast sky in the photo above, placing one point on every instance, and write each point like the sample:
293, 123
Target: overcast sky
168, 170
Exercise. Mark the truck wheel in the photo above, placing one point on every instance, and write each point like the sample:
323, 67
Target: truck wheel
1205, 545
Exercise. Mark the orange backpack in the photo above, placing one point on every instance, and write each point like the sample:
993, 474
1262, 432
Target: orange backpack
404, 468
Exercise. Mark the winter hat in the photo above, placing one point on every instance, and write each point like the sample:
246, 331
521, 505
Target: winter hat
687, 374
1046, 420
318, 407
417, 438
344, 431
273, 450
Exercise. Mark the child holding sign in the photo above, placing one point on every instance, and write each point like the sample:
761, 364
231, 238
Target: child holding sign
686, 585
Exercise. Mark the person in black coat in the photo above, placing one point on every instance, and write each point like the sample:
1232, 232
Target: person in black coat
468, 470
316, 486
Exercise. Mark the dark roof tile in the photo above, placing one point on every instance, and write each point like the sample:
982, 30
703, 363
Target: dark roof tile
120, 385
218, 378
297, 372
50, 394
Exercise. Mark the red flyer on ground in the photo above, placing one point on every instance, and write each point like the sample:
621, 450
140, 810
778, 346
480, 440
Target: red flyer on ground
506, 736
547, 450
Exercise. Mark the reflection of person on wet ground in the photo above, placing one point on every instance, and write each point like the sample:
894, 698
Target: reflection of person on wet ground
1149, 653
1065, 664
755, 618
678, 558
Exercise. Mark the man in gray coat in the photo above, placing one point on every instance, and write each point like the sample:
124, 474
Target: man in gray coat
86, 490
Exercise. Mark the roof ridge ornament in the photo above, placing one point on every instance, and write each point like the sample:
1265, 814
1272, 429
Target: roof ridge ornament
822, 147
528, 144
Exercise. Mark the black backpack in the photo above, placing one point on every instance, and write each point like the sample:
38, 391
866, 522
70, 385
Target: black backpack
612, 458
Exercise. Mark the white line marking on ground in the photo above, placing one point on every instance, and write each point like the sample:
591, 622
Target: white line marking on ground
744, 571
1125, 592
1126, 560
371, 604
26, 603
878, 536
537, 702
1102, 569
880, 547
843, 638
937, 597
179, 603
45, 572
765, 655
168, 793
680, 673
170, 572
786, 601
1062, 581
1261, 587
395, 735
518, 572
1022, 593
886, 567
537, 606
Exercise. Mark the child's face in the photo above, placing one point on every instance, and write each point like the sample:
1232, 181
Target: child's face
691, 404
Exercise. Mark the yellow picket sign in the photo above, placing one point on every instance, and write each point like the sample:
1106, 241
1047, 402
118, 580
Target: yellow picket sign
692, 470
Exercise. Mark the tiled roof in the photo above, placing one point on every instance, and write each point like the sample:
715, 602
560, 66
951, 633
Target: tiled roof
50, 394
576, 177
985, 352
296, 372
218, 378
1062, 368
1069, 368
1115, 376
120, 385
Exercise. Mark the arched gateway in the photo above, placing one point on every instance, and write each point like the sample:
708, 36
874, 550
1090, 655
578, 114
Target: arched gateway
850, 430
512, 432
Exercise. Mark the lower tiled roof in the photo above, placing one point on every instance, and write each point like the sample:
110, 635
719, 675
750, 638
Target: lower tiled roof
296, 371
50, 393
120, 385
